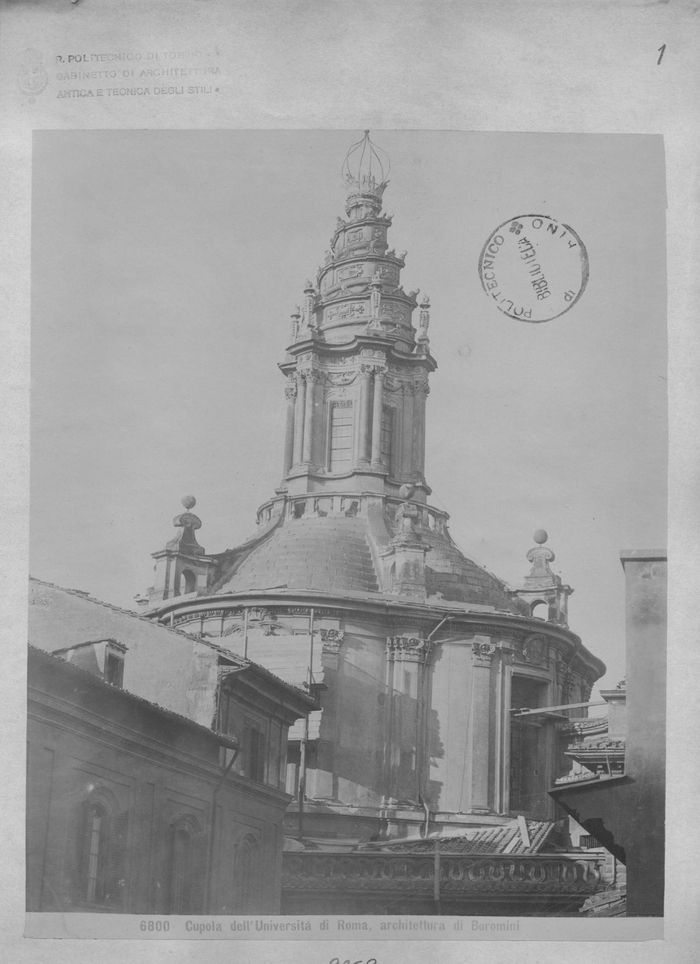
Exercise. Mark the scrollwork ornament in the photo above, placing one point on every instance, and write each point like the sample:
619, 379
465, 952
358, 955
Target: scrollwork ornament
483, 653
393, 384
410, 649
340, 378
534, 648
331, 640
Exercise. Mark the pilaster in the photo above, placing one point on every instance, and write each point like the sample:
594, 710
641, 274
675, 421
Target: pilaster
483, 651
362, 455
407, 658
299, 419
309, 411
377, 414
290, 393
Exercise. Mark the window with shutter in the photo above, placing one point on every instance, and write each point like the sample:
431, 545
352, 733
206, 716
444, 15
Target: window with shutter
93, 859
187, 867
102, 858
200, 849
115, 882
180, 870
254, 753
114, 669
225, 711
246, 875
340, 458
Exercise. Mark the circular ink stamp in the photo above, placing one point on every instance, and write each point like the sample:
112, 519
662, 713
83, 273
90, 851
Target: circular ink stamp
534, 268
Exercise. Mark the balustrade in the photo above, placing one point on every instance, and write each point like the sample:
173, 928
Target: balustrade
496, 873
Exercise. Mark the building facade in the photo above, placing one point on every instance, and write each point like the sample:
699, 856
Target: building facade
156, 766
620, 796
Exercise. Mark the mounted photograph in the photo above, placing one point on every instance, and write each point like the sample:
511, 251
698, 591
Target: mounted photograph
346, 600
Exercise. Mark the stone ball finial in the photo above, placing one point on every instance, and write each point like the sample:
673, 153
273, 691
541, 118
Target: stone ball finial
540, 536
406, 491
188, 501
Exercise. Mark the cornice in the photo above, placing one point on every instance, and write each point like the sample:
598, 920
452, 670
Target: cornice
394, 611
358, 342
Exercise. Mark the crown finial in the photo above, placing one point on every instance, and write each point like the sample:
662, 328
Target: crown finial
366, 170
540, 536
188, 501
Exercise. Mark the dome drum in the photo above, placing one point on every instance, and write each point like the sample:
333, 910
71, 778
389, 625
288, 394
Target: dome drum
408, 742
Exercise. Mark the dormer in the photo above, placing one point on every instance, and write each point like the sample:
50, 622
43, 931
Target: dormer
101, 657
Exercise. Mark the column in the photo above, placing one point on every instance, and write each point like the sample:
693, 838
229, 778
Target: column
309, 418
363, 417
377, 410
290, 394
299, 419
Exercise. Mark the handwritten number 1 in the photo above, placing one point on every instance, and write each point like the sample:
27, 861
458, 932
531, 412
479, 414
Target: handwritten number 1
662, 48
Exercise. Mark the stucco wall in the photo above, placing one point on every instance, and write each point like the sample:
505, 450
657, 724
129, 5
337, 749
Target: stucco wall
165, 667
645, 753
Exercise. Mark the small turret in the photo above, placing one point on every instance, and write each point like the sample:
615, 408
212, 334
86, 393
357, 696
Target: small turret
182, 566
405, 556
542, 590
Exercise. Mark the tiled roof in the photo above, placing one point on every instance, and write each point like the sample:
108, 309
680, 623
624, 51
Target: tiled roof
335, 554
606, 743
451, 573
490, 840
609, 903
314, 553
232, 657
118, 609
77, 672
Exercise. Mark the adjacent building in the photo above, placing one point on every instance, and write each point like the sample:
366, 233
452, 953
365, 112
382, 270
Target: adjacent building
618, 793
156, 766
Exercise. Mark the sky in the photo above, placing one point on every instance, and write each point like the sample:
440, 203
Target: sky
165, 268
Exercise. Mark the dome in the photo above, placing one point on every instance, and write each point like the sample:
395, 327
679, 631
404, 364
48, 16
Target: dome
339, 554
314, 553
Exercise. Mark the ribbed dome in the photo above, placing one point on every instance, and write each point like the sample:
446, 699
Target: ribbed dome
331, 554
455, 577
340, 553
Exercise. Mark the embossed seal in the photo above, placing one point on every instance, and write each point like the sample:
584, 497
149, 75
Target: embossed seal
32, 78
534, 268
